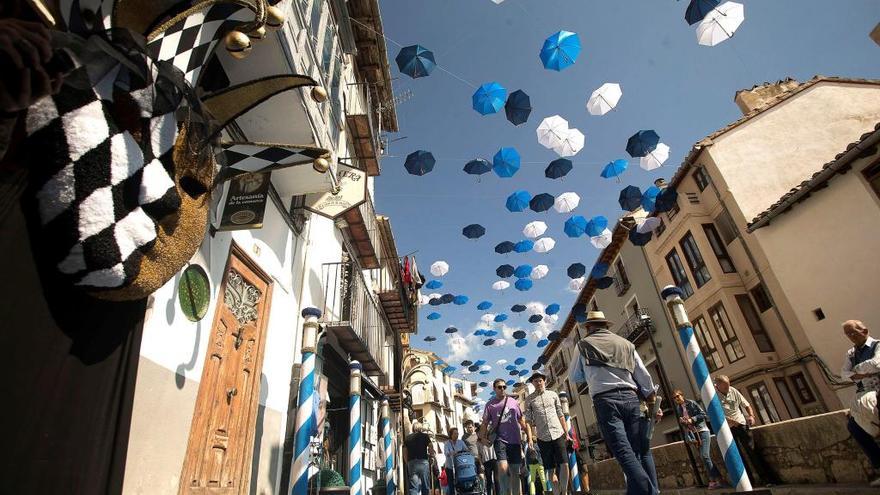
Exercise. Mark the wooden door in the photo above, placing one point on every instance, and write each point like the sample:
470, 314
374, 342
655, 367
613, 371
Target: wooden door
220, 448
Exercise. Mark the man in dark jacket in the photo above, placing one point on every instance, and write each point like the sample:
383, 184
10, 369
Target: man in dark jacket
694, 420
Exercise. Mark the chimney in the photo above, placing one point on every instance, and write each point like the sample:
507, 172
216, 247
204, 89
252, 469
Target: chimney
759, 96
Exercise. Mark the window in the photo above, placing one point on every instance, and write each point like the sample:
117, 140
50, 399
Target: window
787, 398
707, 344
327, 50
673, 211
763, 403
729, 341
759, 294
802, 388
718, 248
572, 397
819, 314
621, 281
660, 228
726, 227
754, 323
695, 259
701, 178
872, 175
678, 274
315, 21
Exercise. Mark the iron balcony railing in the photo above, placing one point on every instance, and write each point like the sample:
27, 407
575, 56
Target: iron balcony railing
359, 102
632, 328
389, 278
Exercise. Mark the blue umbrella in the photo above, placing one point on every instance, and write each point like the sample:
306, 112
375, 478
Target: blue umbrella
523, 246
483, 384
542, 343
504, 247
419, 162
560, 50
579, 311
537, 366
518, 201
447, 298
698, 9
642, 143
523, 271
434, 316
596, 225
519, 334
490, 333
666, 200
542, 359
480, 362
510, 367
510, 383
451, 330
615, 168
522, 343
434, 284
518, 308
430, 338
460, 300
639, 239
415, 61
649, 198
484, 372
500, 317
506, 162
605, 282
575, 226
477, 167
541, 202
535, 318
523, 372
518, 107
559, 167
552, 309
489, 98
523, 284
435, 301
576, 270
519, 361
504, 271
599, 270
630, 198
473, 231
449, 370
438, 362
479, 332
484, 305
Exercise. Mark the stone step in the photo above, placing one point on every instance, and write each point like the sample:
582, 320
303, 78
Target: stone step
839, 489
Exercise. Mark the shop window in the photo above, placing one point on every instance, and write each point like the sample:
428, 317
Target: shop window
754, 323
729, 341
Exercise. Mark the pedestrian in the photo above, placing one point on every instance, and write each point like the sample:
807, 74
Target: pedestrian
734, 404
693, 419
472, 440
581, 456
617, 378
543, 411
501, 427
451, 448
537, 470
862, 366
418, 449
487, 458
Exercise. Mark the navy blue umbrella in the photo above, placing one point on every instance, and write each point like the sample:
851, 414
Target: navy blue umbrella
559, 167
430, 338
518, 201
519, 334
541, 202
477, 167
552, 309
535, 318
504, 271
698, 9
576, 270
666, 200
415, 61
522, 372
599, 269
510, 367
513, 372
554, 335
639, 239
518, 308
537, 366
630, 198
605, 282
523, 284
579, 311
482, 384
504, 247
488, 342
523, 271
435, 301
473, 231
451, 330
419, 162
484, 305
447, 298
523, 246
473, 368
484, 372
642, 143
466, 362
518, 107
542, 359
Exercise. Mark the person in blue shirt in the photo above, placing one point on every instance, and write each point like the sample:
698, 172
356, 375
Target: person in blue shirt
618, 381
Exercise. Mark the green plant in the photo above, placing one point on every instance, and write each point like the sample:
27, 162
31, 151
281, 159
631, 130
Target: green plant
330, 478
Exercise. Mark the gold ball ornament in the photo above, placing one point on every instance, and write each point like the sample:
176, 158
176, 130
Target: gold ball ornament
258, 34
321, 165
319, 94
238, 44
274, 17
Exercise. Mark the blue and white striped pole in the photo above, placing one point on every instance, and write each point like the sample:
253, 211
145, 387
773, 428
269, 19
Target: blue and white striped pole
735, 468
305, 403
572, 457
355, 445
388, 449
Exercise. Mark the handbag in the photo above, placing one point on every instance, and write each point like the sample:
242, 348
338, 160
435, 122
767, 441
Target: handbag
492, 434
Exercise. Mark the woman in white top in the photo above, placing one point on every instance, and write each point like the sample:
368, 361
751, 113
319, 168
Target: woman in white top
451, 447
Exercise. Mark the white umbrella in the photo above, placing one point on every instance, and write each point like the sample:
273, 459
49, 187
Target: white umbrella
485, 367
720, 23
602, 240
488, 318
497, 2
534, 229
434, 295
544, 245
655, 158
551, 131
566, 202
501, 361
501, 285
647, 224
500, 342
439, 268
604, 99
571, 144
540, 272
423, 299
576, 284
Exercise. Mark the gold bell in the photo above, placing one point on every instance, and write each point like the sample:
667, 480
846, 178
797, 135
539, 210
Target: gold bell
274, 17
321, 165
238, 44
319, 94
258, 34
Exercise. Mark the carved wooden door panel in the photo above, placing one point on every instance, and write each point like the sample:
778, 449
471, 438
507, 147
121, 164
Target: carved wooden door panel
220, 448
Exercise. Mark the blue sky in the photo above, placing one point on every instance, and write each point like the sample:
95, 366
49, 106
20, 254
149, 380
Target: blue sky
670, 84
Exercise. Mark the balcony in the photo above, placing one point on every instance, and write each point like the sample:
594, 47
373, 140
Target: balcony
354, 316
363, 127
363, 233
633, 329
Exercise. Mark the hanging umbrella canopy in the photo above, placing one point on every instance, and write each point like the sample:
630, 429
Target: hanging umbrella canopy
506, 162
576, 284
518, 201
630, 198
522, 343
559, 167
647, 224
553, 335
434, 284
488, 342
419, 162
472, 368
473, 231
551, 131
519, 334
535, 318
698, 9
415, 61
649, 198
481, 362
534, 229
500, 317
615, 168
490, 333
479, 332
484, 305
542, 359
570, 144
544, 244
552, 309
452, 330
523, 271
541, 202
435, 301
639, 239
656, 158
575, 226
596, 225
430, 339
566, 202
518, 308
541, 343
460, 300
599, 269
501, 285
604, 99
520, 361
523, 246
489, 98
576, 270
560, 50
447, 298
642, 143
504, 247
434, 316
605, 282
439, 268
510, 367
501, 361
523, 284
518, 107
579, 310
720, 24
504, 271
602, 240
666, 200
540, 272
513, 373
477, 166
483, 384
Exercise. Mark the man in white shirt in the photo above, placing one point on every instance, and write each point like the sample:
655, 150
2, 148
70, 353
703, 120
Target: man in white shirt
862, 366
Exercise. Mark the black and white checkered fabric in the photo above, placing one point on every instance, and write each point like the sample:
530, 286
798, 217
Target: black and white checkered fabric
189, 43
241, 158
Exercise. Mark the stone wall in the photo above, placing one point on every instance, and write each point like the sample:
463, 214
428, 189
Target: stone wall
812, 450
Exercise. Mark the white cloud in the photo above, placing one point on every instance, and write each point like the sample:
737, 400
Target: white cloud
460, 347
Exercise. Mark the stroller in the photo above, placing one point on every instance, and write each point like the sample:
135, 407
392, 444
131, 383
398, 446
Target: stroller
467, 481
